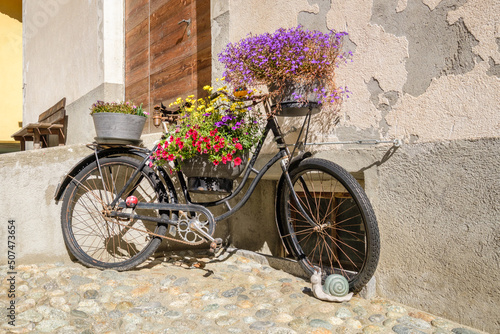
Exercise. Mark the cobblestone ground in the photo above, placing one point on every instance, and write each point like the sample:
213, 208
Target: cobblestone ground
192, 294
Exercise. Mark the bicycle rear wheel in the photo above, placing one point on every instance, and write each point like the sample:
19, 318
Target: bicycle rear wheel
98, 240
344, 238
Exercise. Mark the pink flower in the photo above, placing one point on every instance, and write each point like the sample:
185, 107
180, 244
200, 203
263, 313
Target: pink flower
237, 161
238, 146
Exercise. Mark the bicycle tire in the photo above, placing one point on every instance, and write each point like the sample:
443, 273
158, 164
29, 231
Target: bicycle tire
104, 243
346, 240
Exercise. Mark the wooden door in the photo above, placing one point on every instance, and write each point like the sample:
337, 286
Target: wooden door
167, 51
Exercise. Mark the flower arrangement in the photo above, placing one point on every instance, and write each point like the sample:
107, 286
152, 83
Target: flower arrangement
118, 107
217, 126
287, 57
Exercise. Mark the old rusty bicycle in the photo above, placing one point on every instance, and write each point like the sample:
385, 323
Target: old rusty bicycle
323, 215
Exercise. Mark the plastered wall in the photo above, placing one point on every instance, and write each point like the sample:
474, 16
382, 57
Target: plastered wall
73, 49
422, 70
426, 72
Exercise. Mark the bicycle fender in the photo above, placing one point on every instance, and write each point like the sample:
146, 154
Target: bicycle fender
66, 179
281, 183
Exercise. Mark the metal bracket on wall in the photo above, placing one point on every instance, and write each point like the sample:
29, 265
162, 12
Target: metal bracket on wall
395, 142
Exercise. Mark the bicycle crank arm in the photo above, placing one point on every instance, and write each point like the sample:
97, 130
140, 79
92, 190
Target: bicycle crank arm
171, 207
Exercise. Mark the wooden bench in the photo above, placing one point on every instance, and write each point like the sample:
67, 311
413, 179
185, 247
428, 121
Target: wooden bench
50, 122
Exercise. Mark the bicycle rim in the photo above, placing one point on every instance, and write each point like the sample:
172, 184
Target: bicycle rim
99, 240
343, 238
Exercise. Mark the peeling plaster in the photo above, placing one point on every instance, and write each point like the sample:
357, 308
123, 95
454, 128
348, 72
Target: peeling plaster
276, 15
454, 107
494, 68
432, 4
436, 47
315, 20
401, 5
482, 19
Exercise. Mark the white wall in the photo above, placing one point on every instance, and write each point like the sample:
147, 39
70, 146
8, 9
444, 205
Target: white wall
70, 49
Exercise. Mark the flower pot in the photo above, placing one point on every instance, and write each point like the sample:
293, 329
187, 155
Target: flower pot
204, 177
116, 128
297, 99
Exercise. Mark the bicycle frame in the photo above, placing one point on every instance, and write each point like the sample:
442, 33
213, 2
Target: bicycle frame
286, 161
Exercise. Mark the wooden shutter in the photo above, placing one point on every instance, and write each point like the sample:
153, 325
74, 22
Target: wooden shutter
166, 57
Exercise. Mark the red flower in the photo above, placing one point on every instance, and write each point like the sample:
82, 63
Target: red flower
216, 162
213, 132
238, 146
229, 157
224, 160
237, 161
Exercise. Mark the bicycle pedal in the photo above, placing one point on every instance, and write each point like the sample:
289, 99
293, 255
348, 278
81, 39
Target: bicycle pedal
215, 245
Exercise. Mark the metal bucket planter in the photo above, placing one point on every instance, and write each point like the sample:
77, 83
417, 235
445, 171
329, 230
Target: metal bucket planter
290, 107
116, 128
206, 178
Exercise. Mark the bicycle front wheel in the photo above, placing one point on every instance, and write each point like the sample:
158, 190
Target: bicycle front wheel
343, 237
95, 238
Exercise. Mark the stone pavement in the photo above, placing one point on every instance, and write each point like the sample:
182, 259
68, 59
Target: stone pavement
188, 293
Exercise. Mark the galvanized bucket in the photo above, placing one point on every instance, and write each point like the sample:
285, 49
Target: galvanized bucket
116, 128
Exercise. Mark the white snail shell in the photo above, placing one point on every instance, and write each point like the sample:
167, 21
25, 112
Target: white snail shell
336, 285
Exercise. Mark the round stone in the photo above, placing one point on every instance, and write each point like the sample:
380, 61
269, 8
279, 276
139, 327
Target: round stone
50, 326
210, 307
181, 281
405, 329
284, 318
360, 311
376, 318
225, 321
264, 313
280, 330
261, 325
396, 309
441, 323
353, 323
414, 322
78, 313
172, 314
318, 323
463, 331
233, 292
343, 313
249, 320
372, 329
31, 315
124, 306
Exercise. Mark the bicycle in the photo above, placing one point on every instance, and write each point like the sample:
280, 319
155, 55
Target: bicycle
323, 215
